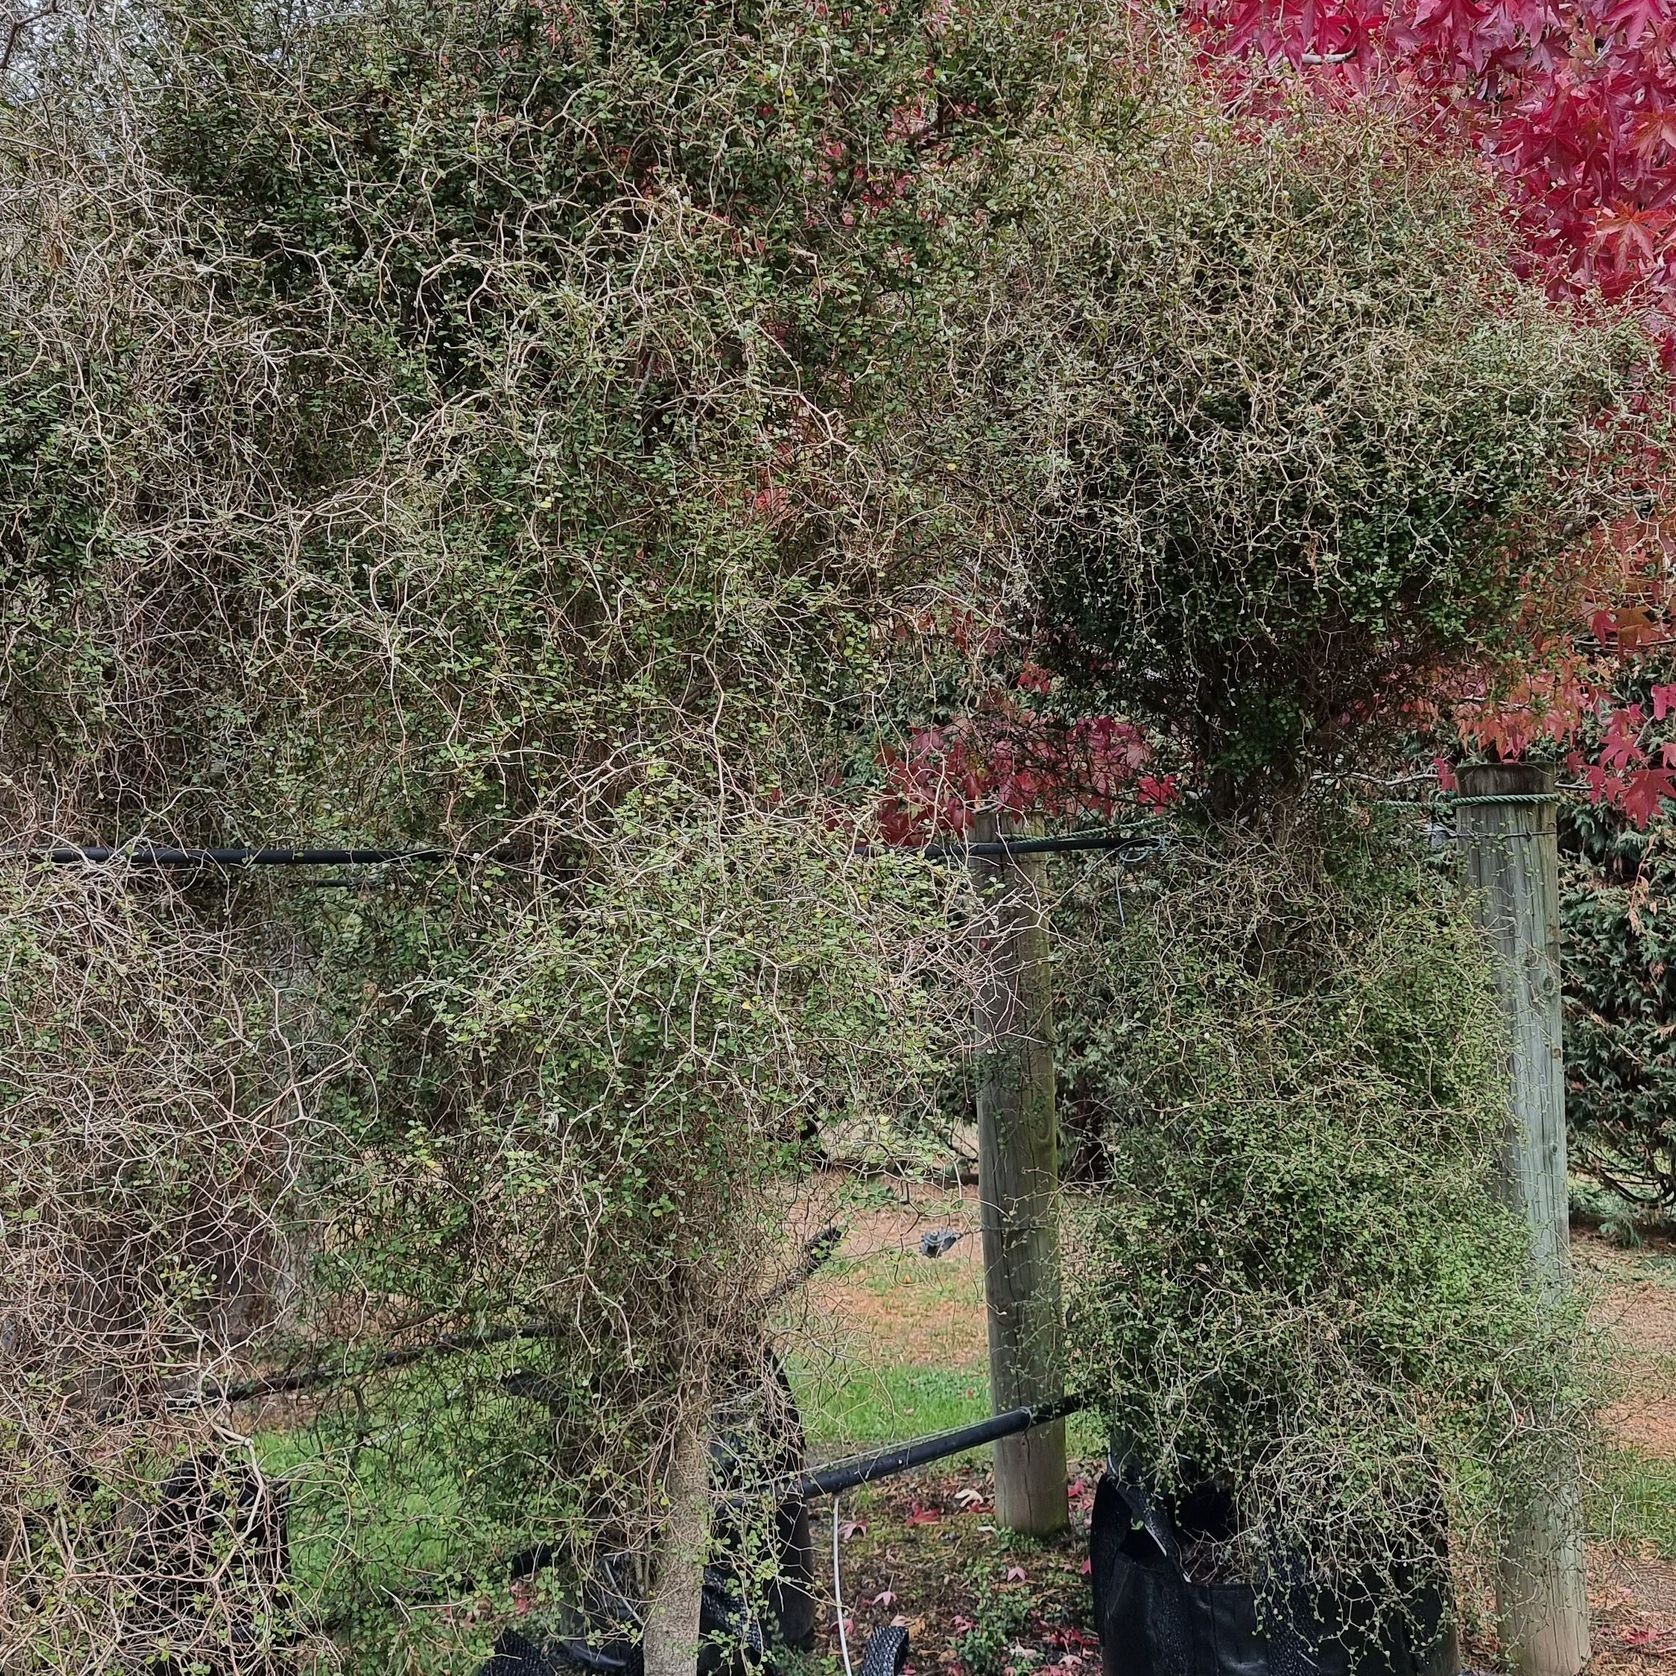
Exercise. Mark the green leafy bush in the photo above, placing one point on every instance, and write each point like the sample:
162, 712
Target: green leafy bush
1289, 441
1617, 944
1295, 1278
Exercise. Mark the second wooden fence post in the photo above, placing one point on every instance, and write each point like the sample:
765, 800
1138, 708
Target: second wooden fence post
1018, 1185
1510, 847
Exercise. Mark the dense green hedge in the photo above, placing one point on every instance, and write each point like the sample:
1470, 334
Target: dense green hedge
1618, 947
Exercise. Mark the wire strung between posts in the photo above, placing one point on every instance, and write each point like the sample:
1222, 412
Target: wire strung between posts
1143, 844
838, 1593
816, 1252
153, 855
1138, 846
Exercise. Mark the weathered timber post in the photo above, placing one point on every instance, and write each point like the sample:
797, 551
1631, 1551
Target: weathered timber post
1507, 828
675, 1582
1018, 1185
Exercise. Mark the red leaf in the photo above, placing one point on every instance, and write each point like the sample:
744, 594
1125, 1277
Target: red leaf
1633, 18
1621, 748
1645, 1638
1644, 789
1154, 793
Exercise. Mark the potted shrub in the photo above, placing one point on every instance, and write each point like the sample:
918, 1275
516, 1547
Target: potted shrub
1287, 452
1292, 1286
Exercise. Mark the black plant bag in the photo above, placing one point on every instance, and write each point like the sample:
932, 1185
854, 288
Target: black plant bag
747, 1622
1153, 1620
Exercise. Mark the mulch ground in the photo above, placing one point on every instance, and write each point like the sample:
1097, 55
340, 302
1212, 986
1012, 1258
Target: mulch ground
924, 1552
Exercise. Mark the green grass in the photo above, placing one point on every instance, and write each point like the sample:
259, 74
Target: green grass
1635, 1501
400, 1520
864, 1406
875, 1405
889, 1394
436, 1470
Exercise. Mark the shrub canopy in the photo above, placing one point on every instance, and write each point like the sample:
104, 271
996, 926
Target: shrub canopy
1292, 444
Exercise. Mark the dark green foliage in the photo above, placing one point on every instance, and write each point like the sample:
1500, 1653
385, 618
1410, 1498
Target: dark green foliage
1003, 1615
1618, 952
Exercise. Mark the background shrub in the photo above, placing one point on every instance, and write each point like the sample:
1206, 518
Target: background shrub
1617, 941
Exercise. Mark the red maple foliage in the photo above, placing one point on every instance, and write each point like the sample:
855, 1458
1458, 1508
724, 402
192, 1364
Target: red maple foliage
1574, 104
1009, 759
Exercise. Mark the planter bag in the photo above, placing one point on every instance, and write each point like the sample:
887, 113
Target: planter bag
723, 1614
746, 1617
1154, 1620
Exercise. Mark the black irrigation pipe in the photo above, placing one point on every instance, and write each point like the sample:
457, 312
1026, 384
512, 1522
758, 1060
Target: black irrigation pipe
839, 1476
1145, 843
162, 856
310, 1379
816, 1252
829, 1480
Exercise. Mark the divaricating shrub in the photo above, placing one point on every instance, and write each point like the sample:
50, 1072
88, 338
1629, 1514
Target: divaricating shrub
1289, 442
455, 424
1295, 1278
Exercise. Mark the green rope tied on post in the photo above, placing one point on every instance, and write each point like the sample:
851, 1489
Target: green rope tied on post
1510, 797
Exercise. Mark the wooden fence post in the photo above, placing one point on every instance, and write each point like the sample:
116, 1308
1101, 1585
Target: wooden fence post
1507, 828
1018, 1186
671, 1628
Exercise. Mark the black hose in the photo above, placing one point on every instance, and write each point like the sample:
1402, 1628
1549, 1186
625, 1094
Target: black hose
1003, 847
837, 1476
831, 1480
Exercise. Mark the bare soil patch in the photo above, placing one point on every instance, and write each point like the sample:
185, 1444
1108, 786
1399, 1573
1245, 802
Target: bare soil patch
1636, 1304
